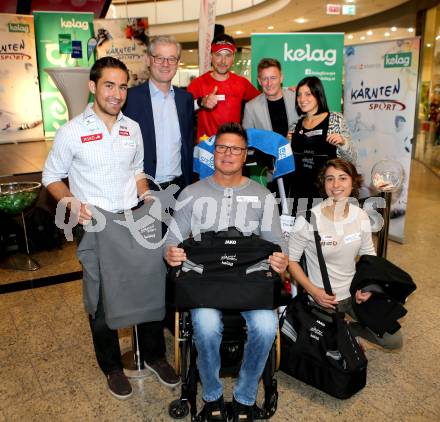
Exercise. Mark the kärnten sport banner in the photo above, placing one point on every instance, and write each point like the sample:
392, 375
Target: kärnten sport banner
379, 104
20, 108
125, 39
301, 55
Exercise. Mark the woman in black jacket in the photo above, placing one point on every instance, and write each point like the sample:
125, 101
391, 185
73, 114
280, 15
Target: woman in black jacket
319, 135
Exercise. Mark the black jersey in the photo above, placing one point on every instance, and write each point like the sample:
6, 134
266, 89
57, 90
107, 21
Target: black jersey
311, 151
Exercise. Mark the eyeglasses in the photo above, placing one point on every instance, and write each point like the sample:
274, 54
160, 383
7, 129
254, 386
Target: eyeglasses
221, 149
162, 59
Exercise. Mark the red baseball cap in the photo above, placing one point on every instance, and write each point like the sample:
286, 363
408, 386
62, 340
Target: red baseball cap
223, 45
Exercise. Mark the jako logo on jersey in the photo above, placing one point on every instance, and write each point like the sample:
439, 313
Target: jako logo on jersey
230, 242
72, 23
318, 55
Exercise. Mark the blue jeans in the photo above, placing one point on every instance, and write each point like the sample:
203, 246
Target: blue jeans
208, 329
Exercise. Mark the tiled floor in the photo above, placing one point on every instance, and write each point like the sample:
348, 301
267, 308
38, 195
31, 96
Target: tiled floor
48, 371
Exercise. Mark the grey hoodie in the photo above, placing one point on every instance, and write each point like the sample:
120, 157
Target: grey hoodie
131, 273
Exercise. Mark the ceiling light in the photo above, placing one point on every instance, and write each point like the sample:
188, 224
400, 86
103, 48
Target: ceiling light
349, 1
350, 36
238, 32
370, 32
428, 45
300, 20
387, 34
410, 29
437, 37
270, 27
362, 38
190, 51
393, 28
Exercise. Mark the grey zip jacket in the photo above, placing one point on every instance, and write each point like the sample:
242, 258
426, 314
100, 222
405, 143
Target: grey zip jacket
124, 259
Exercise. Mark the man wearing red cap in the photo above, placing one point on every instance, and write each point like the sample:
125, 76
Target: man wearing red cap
219, 93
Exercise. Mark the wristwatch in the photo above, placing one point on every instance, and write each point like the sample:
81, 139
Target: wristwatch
199, 102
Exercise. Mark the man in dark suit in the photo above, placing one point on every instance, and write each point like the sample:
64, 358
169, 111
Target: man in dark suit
165, 115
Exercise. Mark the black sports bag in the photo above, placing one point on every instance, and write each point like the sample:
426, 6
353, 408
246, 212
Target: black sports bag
225, 270
317, 346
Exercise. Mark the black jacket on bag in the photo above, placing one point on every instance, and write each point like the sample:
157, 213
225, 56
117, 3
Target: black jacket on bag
390, 286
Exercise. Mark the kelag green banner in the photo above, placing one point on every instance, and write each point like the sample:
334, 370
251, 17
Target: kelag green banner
304, 54
56, 33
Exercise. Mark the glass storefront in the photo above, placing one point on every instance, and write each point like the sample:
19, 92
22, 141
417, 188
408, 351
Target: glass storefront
428, 125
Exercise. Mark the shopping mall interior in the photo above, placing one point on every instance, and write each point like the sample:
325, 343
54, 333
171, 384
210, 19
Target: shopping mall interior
48, 370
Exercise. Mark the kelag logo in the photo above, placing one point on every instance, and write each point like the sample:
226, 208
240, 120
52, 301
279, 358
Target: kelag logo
328, 57
18, 27
397, 60
72, 23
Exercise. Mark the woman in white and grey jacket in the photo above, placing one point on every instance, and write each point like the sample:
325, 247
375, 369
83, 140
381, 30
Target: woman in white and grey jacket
345, 233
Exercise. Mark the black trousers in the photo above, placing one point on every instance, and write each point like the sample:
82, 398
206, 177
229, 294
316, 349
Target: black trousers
106, 341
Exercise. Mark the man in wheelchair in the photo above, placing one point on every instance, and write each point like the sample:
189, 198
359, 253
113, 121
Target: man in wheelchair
228, 199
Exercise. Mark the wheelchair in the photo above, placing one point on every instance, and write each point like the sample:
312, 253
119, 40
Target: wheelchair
231, 352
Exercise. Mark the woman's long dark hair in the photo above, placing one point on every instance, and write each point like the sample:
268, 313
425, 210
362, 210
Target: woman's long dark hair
317, 90
346, 167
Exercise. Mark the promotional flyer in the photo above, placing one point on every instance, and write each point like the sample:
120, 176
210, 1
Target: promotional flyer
127, 40
20, 108
62, 40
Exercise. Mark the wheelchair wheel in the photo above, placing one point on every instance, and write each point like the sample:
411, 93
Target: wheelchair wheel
178, 409
177, 343
277, 350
